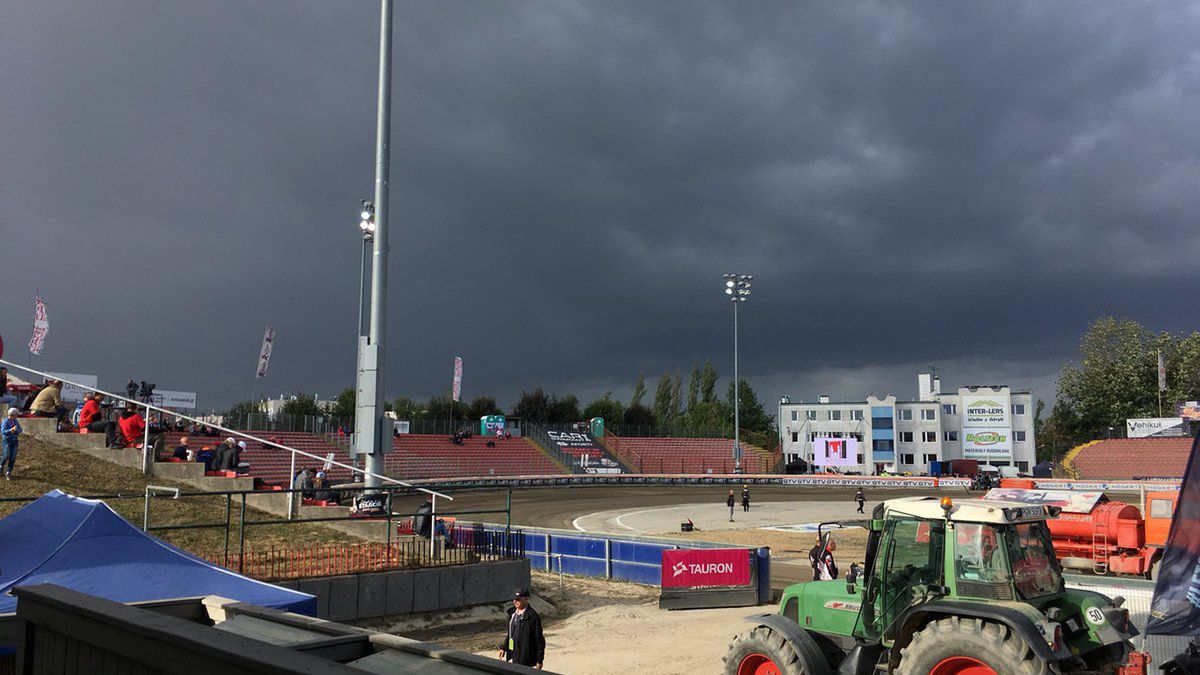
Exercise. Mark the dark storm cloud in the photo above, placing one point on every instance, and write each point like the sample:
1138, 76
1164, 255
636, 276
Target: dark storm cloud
963, 185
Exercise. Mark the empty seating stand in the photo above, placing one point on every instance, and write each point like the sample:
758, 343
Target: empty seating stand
1127, 458
685, 455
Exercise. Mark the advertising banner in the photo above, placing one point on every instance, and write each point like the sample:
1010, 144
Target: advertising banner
868, 481
705, 567
490, 425
987, 444
185, 400
1188, 410
835, 451
988, 410
1175, 609
1070, 502
73, 393
1154, 426
587, 455
457, 378
264, 354
41, 326
401, 427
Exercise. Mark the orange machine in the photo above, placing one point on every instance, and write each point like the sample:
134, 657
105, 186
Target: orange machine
1095, 533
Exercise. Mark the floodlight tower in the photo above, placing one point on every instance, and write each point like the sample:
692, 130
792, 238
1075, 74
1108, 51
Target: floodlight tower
737, 288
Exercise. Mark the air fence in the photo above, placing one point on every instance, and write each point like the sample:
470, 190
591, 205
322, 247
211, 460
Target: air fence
635, 559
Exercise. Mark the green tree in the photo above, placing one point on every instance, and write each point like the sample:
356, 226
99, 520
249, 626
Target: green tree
639, 416
639, 390
613, 412
1114, 378
752, 416
708, 383
564, 410
532, 406
301, 405
408, 409
443, 408
481, 406
676, 397
662, 399
694, 387
242, 409
343, 405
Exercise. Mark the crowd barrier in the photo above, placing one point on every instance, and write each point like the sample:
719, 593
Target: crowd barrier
681, 479
1105, 485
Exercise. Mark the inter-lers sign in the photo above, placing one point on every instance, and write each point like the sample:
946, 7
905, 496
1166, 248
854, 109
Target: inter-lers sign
705, 567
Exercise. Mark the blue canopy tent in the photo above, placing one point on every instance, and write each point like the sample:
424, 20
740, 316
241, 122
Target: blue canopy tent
85, 546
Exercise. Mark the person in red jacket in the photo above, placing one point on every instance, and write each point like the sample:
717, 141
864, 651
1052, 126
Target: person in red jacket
91, 418
133, 427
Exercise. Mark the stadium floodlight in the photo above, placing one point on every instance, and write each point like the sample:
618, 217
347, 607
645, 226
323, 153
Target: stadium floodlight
367, 223
737, 287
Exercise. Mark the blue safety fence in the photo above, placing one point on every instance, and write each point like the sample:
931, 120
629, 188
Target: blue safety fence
636, 559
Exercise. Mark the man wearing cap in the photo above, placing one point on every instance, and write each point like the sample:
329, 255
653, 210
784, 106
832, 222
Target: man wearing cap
524, 642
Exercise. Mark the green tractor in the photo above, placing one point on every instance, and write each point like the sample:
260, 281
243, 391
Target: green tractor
968, 588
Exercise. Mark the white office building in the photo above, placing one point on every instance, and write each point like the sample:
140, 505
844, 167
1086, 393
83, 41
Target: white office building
991, 424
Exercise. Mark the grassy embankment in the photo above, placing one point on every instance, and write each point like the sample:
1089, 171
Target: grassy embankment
42, 467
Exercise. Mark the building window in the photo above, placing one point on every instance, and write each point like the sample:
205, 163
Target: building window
929, 458
860, 458
1019, 435
929, 437
835, 415
1160, 508
950, 409
906, 437
904, 414
795, 437
856, 415
950, 436
1018, 408
928, 414
810, 415
795, 416
906, 459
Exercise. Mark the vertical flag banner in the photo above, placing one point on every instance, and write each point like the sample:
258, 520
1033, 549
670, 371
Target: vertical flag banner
457, 377
1175, 608
264, 354
1162, 373
41, 326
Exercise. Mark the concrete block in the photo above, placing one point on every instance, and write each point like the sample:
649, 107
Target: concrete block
320, 588
372, 594
399, 593
477, 584
450, 589
426, 590
343, 598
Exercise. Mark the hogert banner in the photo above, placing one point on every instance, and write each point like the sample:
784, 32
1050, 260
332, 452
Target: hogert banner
1175, 609
705, 567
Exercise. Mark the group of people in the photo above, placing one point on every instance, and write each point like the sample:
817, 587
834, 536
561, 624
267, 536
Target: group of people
315, 485
730, 501
460, 436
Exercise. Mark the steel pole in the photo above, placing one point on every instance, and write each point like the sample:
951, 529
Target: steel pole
737, 438
368, 423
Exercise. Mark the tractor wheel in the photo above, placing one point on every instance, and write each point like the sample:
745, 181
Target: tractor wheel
763, 651
969, 646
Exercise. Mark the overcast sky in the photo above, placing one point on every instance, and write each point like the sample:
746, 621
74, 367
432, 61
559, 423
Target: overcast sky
963, 185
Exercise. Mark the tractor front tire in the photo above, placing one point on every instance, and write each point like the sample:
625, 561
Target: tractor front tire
969, 646
763, 651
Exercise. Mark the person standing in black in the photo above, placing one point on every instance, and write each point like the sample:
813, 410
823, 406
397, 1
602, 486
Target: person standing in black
861, 499
524, 642
746, 498
729, 502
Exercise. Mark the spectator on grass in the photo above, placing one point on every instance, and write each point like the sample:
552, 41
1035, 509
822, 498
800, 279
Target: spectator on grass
133, 426
228, 455
10, 430
49, 403
181, 450
304, 483
91, 418
322, 491
6, 399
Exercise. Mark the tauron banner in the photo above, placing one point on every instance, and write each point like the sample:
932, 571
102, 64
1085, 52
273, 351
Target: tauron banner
705, 567
1175, 609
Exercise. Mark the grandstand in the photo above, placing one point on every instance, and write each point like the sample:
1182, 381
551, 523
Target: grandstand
1128, 458
412, 456
686, 455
